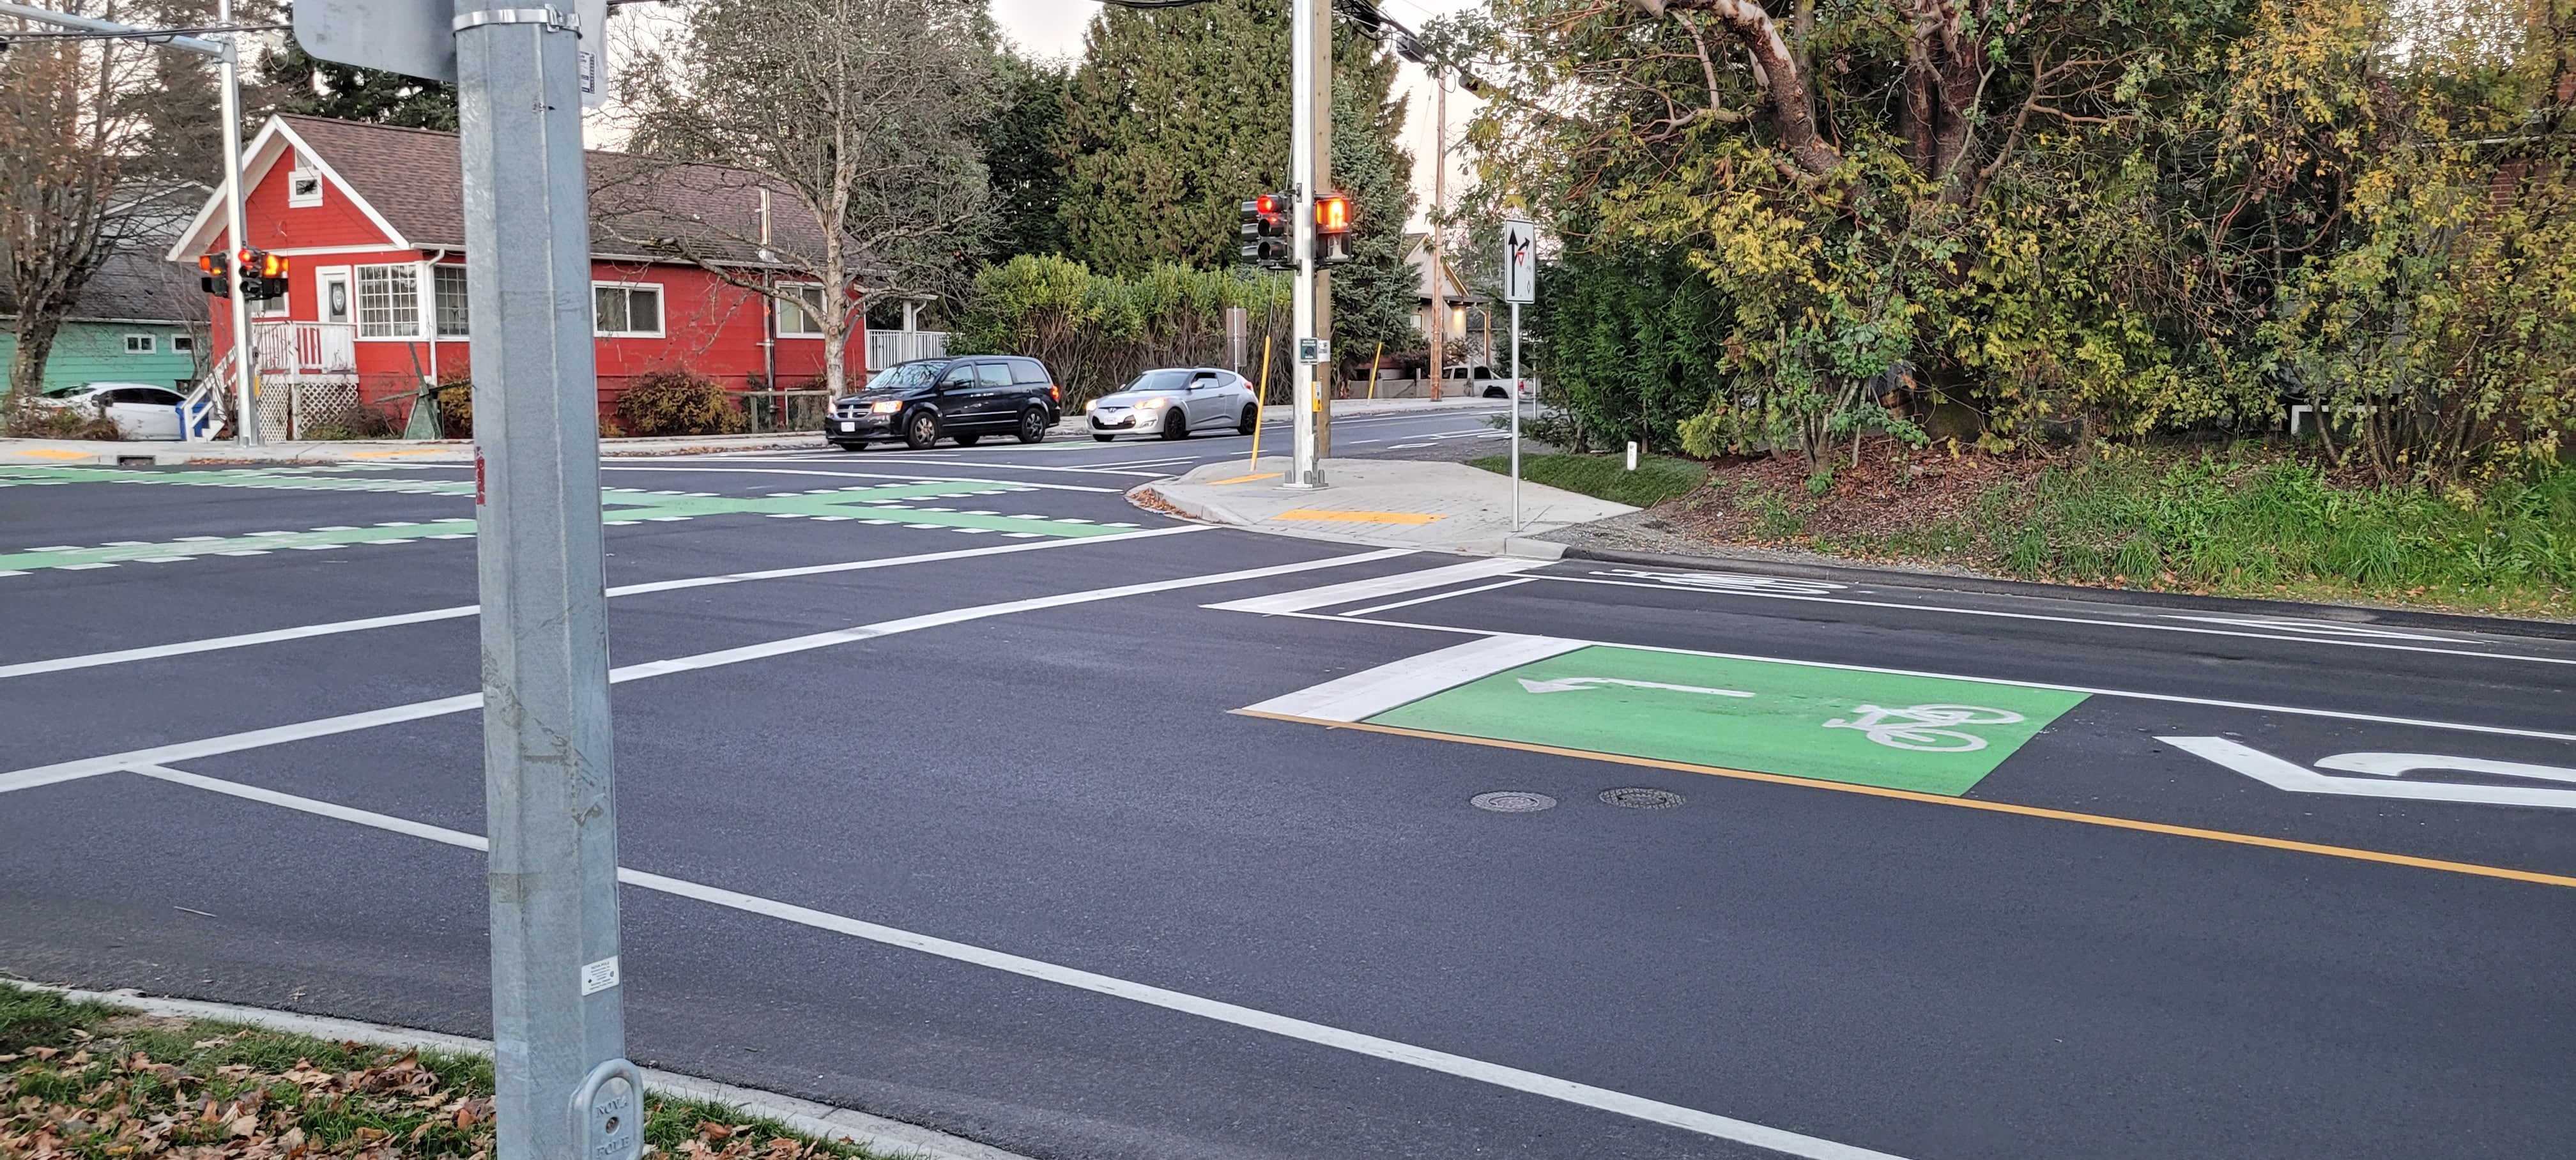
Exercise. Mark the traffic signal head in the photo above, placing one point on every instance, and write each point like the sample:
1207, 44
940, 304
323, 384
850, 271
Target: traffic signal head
1332, 228
1268, 235
217, 279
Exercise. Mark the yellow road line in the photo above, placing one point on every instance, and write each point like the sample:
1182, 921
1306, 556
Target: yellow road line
1358, 517
1243, 479
2227, 836
51, 453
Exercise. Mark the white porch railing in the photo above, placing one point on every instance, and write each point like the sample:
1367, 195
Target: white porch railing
305, 348
888, 347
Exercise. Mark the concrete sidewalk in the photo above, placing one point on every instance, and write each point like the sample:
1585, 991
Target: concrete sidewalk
1383, 502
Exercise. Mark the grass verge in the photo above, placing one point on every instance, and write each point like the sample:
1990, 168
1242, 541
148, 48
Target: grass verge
96, 1083
2252, 521
1657, 478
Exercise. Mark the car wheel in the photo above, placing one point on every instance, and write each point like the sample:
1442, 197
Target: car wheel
967, 440
922, 431
1033, 425
1251, 420
1102, 438
1495, 393
1175, 424
852, 445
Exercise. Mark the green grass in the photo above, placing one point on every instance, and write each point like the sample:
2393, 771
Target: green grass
2253, 524
1657, 478
97, 1083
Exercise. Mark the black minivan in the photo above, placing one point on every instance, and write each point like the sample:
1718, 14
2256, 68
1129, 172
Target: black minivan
963, 398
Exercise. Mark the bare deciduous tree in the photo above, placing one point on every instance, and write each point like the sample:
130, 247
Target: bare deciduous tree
857, 116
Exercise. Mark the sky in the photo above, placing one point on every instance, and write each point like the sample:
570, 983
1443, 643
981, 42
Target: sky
1054, 28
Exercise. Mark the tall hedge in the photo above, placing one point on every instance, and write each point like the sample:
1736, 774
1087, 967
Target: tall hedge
1096, 331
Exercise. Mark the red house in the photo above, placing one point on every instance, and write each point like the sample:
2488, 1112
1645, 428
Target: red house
371, 218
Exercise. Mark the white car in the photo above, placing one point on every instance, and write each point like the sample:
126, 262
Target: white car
141, 410
1173, 402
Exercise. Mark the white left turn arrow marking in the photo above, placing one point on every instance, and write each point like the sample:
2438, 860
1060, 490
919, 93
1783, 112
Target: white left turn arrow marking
1578, 684
2279, 774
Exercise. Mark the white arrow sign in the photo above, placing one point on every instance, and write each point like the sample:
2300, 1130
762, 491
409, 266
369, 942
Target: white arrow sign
1578, 684
2279, 774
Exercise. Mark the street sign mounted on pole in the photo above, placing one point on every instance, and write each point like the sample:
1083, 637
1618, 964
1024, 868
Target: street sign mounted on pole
417, 38
1520, 261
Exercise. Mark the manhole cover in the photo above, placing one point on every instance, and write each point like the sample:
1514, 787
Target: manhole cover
1641, 799
1512, 801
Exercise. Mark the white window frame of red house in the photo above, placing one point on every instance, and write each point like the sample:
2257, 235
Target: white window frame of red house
303, 186
661, 309
808, 309
393, 300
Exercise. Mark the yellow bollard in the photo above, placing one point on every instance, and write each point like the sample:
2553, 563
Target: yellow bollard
1260, 401
1373, 357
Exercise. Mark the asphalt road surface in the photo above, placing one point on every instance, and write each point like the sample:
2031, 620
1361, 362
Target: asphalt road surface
1120, 837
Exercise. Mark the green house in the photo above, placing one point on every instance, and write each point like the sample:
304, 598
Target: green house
140, 320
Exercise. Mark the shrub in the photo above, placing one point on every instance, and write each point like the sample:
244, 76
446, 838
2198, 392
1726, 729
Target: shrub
455, 407
677, 402
26, 420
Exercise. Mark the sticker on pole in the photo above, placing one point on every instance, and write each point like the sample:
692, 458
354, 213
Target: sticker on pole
1928, 734
1520, 261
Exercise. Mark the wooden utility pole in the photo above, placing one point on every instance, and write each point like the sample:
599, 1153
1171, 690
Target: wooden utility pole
1439, 198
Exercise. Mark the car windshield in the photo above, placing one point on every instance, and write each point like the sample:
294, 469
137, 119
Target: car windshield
67, 390
905, 377
1160, 381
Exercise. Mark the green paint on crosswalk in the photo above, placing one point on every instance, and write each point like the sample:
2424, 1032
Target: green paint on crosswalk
1930, 734
877, 504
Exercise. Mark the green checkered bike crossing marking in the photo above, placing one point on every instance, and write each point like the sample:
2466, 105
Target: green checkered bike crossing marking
1929, 734
881, 505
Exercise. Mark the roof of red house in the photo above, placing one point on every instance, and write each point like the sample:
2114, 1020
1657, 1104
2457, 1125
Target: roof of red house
640, 209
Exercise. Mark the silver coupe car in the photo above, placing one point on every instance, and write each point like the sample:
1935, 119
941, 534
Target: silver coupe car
1173, 402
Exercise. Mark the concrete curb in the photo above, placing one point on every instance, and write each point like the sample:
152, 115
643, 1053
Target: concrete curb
876, 1133
1212, 513
1950, 582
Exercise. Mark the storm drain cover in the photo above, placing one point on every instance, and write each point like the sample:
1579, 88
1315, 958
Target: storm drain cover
1512, 801
1641, 799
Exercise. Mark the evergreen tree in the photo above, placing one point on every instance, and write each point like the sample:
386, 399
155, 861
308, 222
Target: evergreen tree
1022, 151
1376, 292
1172, 119
306, 84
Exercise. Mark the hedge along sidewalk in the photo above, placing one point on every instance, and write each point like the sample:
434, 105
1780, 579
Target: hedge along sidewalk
162, 452
225, 1047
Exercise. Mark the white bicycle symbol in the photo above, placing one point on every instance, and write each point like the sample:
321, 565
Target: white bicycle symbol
1926, 728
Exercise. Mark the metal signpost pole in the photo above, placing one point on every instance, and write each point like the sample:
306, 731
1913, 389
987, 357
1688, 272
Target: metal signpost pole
548, 776
1520, 284
1305, 470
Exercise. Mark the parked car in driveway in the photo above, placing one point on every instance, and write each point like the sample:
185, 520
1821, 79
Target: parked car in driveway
961, 399
1174, 401
141, 410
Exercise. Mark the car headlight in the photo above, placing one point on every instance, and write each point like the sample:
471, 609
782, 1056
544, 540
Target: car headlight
1090, 405
886, 407
1152, 404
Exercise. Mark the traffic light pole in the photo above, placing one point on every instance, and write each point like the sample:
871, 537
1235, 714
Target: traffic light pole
1306, 468
245, 420
558, 1021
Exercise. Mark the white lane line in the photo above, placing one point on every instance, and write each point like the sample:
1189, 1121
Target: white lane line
1438, 596
978, 464
278, 735
1217, 1010
1401, 582
2132, 694
334, 628
1369, 692
907, 476
2142, 625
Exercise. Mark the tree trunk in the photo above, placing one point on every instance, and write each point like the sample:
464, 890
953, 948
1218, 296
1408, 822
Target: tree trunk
1789, 109
35, 334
